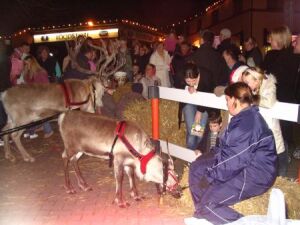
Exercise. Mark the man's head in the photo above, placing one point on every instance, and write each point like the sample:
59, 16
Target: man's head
297, 45
250, 43
150, 70
208, 37
225, 34
231, 54
25, 48
43, 52
87, 51
184, 48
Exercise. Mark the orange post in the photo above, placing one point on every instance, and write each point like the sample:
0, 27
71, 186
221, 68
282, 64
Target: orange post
155, 118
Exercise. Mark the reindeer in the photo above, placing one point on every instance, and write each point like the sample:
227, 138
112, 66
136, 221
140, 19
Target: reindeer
30, 102
27, 103
128, 146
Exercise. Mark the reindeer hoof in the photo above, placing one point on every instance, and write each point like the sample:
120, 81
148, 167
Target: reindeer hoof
85, 187
29, 159
124, 205
10, 157
138, 198
70, 190
121, 204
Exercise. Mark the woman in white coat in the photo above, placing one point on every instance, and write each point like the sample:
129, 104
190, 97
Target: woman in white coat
161, 59
264, 85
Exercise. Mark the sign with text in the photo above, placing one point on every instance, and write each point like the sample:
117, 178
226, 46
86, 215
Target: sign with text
68, 36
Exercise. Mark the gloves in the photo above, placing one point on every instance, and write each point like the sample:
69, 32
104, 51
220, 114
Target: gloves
219, 90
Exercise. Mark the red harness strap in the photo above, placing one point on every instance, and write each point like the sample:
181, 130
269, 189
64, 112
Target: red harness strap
144, 159
68, 102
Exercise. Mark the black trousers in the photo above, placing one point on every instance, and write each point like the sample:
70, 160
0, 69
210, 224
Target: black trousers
3, 116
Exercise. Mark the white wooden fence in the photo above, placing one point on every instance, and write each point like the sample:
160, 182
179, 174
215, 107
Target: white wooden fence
281, 110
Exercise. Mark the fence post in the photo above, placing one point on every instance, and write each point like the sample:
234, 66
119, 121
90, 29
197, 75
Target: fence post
153, 94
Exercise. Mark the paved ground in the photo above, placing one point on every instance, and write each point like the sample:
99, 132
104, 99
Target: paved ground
33, 193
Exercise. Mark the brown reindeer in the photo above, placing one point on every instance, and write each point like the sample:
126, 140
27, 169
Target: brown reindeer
30, 102
132, 152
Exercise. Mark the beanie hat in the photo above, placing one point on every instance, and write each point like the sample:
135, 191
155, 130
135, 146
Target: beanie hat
237, 73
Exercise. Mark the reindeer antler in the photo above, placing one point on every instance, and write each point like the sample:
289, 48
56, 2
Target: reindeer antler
108, 63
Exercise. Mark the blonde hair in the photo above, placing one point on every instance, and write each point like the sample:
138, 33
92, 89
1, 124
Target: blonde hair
282, 36
34, 67
258, 75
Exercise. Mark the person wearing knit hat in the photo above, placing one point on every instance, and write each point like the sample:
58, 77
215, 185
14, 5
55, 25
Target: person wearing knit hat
236, 74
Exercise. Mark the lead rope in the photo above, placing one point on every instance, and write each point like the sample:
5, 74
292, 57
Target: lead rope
111, 155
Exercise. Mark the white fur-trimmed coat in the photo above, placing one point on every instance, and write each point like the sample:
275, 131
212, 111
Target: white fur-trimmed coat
267, 100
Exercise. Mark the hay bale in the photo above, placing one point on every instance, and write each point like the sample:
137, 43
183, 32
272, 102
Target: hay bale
120, 91
257, 205
140, 113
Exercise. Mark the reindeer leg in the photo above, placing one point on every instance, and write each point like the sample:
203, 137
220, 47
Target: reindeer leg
7, 149
17, 139
68, 185
133, 190
81, 182
119, 175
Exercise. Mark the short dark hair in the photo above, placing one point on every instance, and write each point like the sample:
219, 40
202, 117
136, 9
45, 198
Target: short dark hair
215, 117
233, 51
252, 40
85, 49
185, 43
24, 43
152, 65
208, 36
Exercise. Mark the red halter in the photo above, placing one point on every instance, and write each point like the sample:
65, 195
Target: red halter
144, 159
68, 102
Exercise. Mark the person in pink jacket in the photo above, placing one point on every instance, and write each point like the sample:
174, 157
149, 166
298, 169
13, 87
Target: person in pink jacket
17, 64
35, 74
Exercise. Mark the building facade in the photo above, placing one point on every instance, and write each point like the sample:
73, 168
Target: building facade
118, 29
247, 18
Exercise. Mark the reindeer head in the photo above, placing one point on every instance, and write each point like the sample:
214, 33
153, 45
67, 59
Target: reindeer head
98, 89
162, 173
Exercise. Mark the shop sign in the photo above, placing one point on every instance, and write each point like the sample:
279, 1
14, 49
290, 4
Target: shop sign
68, 36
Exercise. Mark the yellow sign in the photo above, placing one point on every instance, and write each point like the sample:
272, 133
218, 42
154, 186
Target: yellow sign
68, 36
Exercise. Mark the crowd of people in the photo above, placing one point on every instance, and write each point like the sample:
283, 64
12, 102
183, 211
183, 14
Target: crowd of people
240, 153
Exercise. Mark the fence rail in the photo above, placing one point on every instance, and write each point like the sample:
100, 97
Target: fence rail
281, 111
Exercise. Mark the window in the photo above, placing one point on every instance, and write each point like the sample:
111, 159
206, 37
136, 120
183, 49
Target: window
275, 4
215, 17
199, 24
237, 6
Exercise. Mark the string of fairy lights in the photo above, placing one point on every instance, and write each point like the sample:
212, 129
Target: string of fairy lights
81, 24
208, 9
211, 7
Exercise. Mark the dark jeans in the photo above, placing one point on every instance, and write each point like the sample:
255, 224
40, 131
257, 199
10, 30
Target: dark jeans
3, 116
282, 163
287, 129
